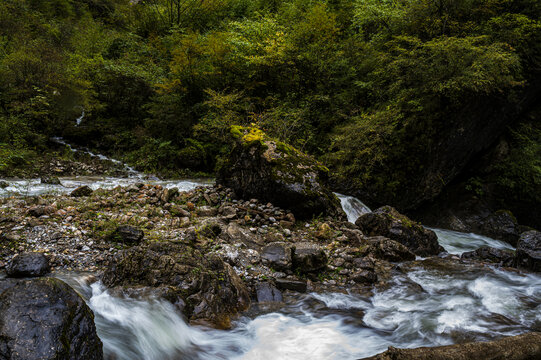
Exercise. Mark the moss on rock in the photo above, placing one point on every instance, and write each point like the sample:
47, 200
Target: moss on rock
267, 169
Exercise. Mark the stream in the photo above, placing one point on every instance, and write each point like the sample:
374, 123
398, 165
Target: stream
429, 303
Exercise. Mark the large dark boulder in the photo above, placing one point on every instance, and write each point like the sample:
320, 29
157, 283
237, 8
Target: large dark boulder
208, 288
271, 171
528, 254
490, 254
388, 222
521, 347
46, 319
28, 265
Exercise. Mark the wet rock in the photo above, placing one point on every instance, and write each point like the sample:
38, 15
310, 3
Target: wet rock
81, 191
210, 229
386, 249
388, 222
46, 319
528, 254
228, 211
210, 288
237, 256
40, 210
364, 276
293, 285
521, 347
309, 257
8, 283
50, 180
178, 211
267, 292
169, 194
28, 265
501, 225
3, 184
467, 213
207, 211
277, 255
127, 234
490, 254
271, 171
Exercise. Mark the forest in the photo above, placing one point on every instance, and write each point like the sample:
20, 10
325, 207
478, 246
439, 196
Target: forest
270, 179
399, 98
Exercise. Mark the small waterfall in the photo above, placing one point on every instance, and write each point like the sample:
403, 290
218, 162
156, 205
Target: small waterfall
353, 207
131, 171
80, 118
453, 242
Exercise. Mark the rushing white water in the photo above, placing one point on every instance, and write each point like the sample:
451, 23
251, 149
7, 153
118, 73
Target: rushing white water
436, 302
34, 187
352, 206
430, 305
455, 242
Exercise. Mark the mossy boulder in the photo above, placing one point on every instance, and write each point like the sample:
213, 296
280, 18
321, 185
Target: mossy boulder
269, 170
388, 222
208, 289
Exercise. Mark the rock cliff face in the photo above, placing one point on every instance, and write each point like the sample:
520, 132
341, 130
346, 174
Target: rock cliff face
269, 170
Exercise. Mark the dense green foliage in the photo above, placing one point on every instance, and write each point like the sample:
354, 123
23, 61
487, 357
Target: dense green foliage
358, 83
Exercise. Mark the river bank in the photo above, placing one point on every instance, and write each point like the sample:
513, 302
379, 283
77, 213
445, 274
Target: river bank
422, 302
185, 268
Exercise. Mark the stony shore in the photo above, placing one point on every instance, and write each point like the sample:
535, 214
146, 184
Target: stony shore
76, 233
211, 254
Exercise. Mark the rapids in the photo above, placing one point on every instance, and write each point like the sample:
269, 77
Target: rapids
429, 303
427, 306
